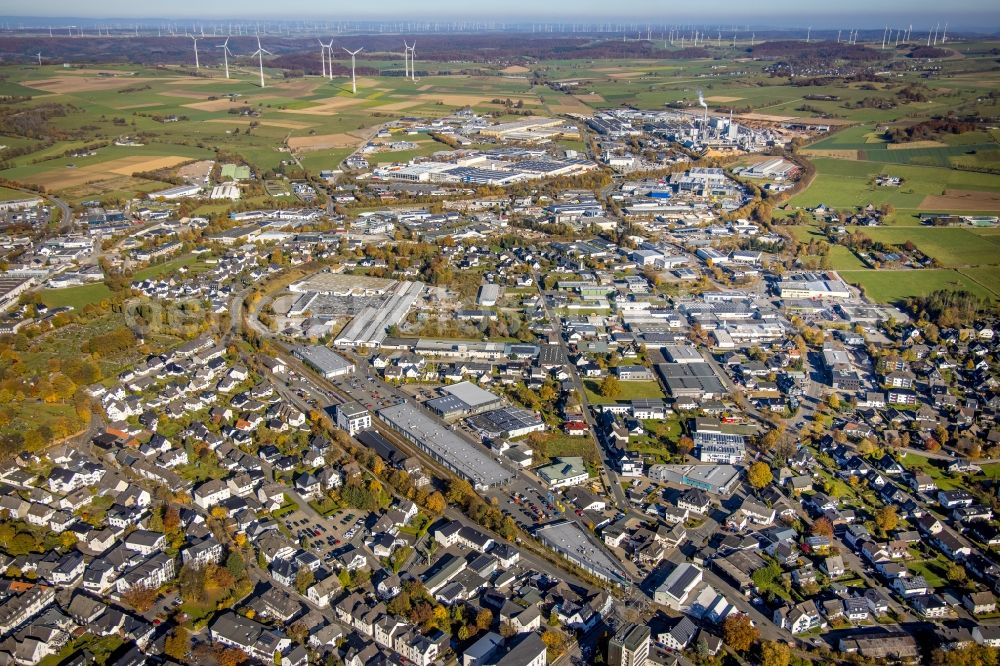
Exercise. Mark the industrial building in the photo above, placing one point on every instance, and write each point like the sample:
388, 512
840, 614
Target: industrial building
691, 380
502, 130
448, 448
720, 447
488, 295
179, 192
715, 479
570, 541
20, 204
369, 327
11, 288
777, 168
462, 399
325, 361
812, 285
342, 284
227, 191
506, 423
682, 354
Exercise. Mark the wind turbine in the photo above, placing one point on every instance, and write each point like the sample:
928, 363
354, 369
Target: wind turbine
197, 65
329, 53
809, 34
39, 58
406, 59
413, 61
354, 78
322, 55
225, 54
260, 59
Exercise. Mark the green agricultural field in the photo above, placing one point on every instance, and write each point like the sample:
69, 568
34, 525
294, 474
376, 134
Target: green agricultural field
841, 258
987, 277
209, 122
7, 194
851, 191
849, 138
883, 286
953, 247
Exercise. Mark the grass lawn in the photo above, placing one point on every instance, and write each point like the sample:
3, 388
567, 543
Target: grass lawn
76, 297
669, 428
659, 439
943, 480
838, 488
555, 444
199, 610
32, 414
326, 507
64, 344
934, 571
418, 526
8, 194
101, 647
284, 509
629, 391
191, 261
991, 470
987, 277
199, 471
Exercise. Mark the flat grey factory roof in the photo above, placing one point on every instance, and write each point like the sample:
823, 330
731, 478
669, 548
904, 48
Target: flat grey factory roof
567, 538
471, 394
323, 358
682, 377
472, 461
505, 418
678, 353
447, 404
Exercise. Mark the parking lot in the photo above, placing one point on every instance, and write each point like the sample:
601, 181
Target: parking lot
372, 396
323, 536
526, 505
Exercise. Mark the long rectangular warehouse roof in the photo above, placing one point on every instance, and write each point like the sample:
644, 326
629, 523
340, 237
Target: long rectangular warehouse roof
458, 454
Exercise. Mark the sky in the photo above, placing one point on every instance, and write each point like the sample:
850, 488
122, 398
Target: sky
983, 15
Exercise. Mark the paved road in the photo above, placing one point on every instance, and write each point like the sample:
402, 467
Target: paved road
733, 389
66, 219
612, 480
